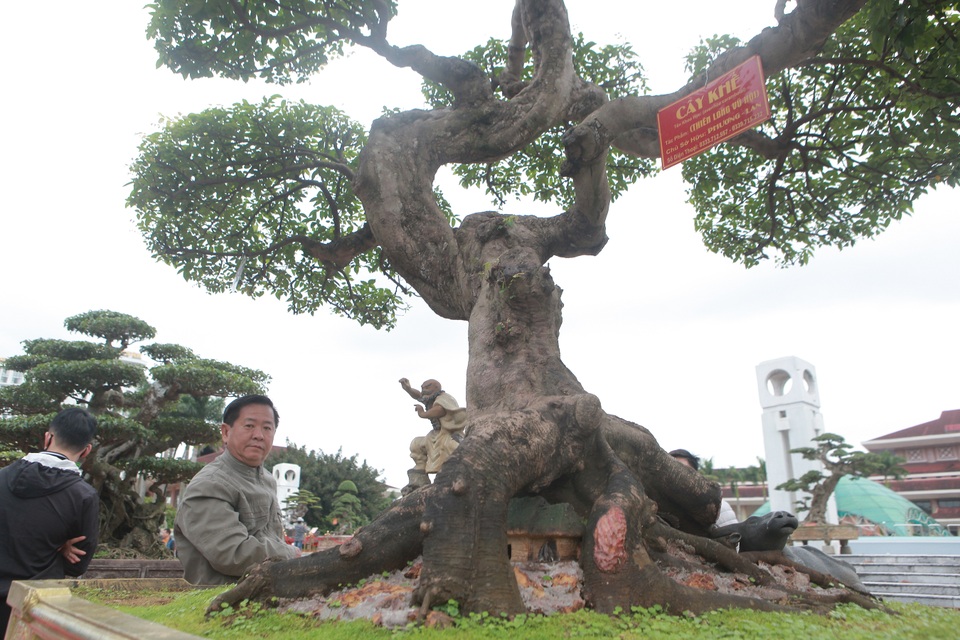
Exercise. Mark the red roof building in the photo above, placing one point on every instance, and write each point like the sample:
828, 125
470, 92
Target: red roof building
932, 454
932, 459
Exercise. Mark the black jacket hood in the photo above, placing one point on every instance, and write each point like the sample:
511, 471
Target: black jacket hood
34, 480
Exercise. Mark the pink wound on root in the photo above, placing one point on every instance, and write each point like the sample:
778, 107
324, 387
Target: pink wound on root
610, 535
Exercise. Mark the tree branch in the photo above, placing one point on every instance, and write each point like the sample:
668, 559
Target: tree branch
336, 254
799, 35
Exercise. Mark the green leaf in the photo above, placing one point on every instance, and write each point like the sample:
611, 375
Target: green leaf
236, 198
859, 133
279, 42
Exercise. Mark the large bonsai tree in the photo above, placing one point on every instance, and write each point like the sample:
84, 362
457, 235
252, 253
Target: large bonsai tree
296, 200
143, 415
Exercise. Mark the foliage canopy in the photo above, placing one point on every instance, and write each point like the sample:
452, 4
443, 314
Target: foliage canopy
859, 132
258, 197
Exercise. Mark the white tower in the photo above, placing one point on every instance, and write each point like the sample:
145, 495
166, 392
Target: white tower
791, 419
288, 482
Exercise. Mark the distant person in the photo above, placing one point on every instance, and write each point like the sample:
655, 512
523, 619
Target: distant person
169, 541
228, 518
49, 517
727, 514
300, 531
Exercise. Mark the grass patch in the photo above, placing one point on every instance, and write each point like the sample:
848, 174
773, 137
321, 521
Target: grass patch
184, 611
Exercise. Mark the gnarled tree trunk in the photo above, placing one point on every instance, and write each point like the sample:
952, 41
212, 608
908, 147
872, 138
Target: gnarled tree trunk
533, 428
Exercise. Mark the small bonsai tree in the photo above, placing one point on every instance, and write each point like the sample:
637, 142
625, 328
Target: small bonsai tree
298, 504
839, 460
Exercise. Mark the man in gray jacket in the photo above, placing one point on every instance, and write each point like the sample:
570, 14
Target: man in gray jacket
228, 518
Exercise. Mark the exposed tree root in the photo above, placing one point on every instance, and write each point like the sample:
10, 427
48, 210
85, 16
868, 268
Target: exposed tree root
459, 525
459, 522
709, 549
465, 545
387, 544
852, 593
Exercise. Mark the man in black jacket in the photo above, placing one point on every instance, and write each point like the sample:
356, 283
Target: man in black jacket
48, 514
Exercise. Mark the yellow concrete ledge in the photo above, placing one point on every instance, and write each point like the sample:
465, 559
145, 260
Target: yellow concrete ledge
47, 610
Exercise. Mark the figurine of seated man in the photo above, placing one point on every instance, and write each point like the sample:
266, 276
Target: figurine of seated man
447, 418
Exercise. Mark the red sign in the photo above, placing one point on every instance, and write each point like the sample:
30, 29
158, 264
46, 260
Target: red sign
731, 104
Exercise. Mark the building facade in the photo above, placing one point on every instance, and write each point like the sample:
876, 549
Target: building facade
932, 454
931, 451
9, 377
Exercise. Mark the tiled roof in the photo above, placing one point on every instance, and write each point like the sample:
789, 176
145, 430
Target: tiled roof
948, 422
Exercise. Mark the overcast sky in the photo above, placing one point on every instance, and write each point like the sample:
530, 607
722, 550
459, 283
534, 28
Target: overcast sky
665, 333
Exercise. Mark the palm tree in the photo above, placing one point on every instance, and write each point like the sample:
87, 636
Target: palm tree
762, 475
206, 408
888, 465
706, 468
734, 477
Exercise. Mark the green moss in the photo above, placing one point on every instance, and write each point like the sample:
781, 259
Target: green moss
184, 610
